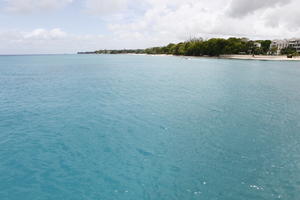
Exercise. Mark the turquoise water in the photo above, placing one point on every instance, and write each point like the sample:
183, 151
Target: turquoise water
127, 127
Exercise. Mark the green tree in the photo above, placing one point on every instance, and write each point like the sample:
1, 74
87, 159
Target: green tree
288, 51
265, 46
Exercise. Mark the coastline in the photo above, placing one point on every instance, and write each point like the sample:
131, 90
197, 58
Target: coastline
260, 57
233, 56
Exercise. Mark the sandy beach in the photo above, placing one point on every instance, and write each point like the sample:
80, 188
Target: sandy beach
234, 56
261, 57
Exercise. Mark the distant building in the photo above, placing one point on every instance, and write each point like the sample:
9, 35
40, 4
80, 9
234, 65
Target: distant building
257, 44
281, 44
295, 43
244, 39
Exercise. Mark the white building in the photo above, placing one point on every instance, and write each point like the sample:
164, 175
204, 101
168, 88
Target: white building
257, 44
281, 44
295, 43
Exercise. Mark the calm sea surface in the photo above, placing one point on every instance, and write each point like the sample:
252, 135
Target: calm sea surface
125, 127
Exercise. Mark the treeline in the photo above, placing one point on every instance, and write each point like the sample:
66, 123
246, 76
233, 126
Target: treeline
124, 51
214, 47
200, 47
289, 51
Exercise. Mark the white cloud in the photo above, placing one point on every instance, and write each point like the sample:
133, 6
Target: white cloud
105, 7
285, 17
42, 34
48, 41
240, 8
157, 22
29, 6
173, 20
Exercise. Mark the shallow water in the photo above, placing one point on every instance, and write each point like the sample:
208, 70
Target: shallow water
148, 127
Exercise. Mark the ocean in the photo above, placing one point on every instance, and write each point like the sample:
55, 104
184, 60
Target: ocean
128, 127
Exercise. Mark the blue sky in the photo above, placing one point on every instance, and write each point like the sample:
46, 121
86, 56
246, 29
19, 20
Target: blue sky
68, 26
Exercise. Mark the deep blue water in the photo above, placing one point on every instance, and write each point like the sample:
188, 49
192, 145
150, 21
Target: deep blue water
125, 127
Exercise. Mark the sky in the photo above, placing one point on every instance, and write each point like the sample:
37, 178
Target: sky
69, 26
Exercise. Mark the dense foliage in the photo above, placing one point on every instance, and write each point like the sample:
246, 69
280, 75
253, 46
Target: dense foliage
288, 51
200, 47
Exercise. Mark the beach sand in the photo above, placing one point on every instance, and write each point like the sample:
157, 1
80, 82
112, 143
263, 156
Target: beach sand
233, 56
260, 57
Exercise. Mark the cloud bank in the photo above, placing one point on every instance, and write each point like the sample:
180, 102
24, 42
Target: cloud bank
145, 23
180, 20
47, 41
241, 8
29, 6
105, 7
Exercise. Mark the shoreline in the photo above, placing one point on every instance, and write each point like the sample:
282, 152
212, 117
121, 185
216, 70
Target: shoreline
233, 57
260, 57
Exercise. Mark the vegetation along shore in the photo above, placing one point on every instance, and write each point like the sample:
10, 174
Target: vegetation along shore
234, 48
